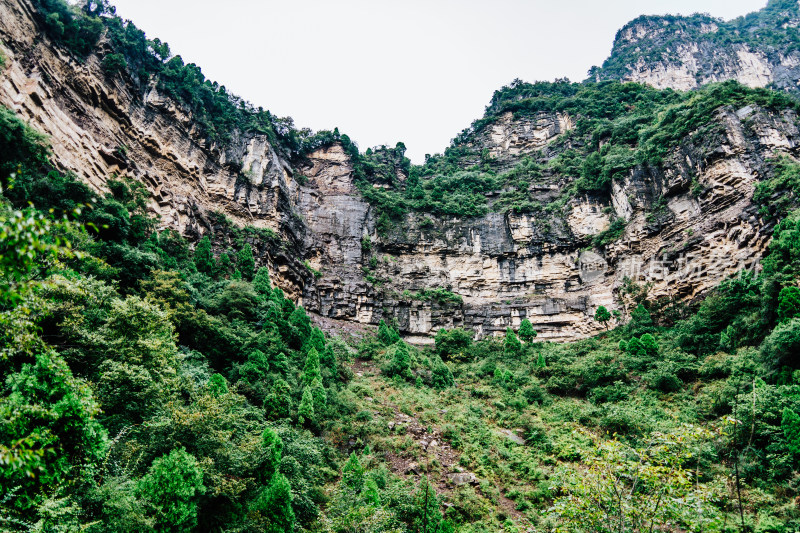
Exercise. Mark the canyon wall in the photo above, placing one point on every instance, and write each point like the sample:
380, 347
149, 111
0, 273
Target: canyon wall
691, 222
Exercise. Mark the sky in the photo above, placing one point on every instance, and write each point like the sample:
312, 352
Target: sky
417, 71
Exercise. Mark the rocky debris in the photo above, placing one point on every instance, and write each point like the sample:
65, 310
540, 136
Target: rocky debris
512, 435
413, 468
462, 478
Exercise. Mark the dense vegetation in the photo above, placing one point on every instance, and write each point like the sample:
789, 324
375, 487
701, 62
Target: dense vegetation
149, 385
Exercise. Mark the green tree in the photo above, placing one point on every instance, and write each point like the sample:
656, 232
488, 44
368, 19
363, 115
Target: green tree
204, 257
353, 473
602, 315
245, 262
441, 376
311, 369
139, 374
511, 344
113, 63
279, 402
223, 265
272, 445
305, 412
299, 319
540, 361
789, 303
635, 347
782, 346
452, 343
320, 398
48, 431
171, 489
400, 362
526, 331
641, 321
387, 335
649, 344
274, 506
217, 384
790, 423
262, 284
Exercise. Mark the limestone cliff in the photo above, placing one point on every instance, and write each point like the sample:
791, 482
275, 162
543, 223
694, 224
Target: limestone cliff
758, 50
690, 221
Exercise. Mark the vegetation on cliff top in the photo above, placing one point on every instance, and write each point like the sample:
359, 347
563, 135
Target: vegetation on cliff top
617, 128
771, 30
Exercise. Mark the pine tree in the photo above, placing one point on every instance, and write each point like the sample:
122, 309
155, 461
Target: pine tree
316, 340
217, 385
526, 331
203, 257
262, 284
305, 413
790, 423
641, 321
171, 488
279, 402
371, 493
275, 506
400, 364
602, 315
279, 363
311, 368
540, 362
441, 376
635, 347
299, 319
511, 345
245, 262
353, 473
385, 334
272, 445
649, 344
320, 398
223, 266
789, 303
327, 359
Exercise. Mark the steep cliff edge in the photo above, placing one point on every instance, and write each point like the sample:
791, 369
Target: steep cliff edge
758, 50
507, 224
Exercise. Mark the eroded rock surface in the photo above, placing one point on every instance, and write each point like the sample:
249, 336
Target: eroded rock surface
690, 224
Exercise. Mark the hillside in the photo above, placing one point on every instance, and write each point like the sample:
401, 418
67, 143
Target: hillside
583, 315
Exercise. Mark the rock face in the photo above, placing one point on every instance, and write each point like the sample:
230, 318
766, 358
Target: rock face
691, 223
685, 52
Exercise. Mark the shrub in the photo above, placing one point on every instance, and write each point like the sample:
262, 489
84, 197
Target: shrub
452, 343
114, 63
664, 378
782, 346
441, 376
789, 303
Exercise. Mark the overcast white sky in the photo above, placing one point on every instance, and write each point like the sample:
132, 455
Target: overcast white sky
417, 71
